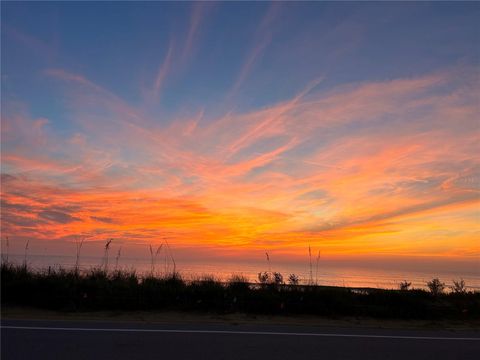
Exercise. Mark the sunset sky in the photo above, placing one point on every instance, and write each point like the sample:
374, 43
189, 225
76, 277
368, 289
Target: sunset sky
232, 129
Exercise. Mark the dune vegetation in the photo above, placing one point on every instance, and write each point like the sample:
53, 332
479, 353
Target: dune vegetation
121, 290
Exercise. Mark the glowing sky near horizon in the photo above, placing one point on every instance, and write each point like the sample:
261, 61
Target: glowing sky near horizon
243, 127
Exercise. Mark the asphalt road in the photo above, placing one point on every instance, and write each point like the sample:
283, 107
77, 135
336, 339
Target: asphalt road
25, 339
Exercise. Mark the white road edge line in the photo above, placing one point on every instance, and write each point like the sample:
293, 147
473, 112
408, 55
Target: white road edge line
239, 333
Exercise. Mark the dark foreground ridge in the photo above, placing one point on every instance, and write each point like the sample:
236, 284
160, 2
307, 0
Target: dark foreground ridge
71, 290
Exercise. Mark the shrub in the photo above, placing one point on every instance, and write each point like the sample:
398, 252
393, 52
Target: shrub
238, 283
436, 286
263, 277
238, 279
277, 278
405, 285
293, 279
459, 287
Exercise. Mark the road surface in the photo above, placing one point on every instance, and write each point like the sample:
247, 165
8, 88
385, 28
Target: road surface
28, 339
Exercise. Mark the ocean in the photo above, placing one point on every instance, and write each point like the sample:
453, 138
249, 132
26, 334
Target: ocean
327, 273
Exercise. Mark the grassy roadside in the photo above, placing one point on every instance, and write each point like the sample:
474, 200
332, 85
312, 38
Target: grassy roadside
171, 317
97, 290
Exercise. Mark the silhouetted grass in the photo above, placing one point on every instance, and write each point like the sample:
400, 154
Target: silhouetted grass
97, 289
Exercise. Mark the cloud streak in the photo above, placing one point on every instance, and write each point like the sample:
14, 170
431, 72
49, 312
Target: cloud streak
338, 169
262, 38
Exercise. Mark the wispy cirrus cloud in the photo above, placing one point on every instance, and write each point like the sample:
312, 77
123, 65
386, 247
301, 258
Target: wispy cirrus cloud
198, 13
162, 72
262, 38
47, 50
344, 166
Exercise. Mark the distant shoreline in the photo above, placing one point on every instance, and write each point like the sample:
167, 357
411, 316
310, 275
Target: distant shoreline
328, 275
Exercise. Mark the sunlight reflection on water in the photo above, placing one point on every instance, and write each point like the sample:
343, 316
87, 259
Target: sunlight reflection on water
326, 275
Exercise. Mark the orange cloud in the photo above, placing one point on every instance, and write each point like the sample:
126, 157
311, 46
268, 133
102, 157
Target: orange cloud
366, 168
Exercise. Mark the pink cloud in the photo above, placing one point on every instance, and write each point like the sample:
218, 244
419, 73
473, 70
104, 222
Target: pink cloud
223, 181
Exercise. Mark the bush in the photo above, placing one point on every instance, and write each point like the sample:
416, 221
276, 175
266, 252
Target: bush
405, 285
238, 284
436, 286
459, 286
263, 278
293, 279
277, 278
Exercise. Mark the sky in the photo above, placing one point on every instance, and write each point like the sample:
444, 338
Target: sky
232, 129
